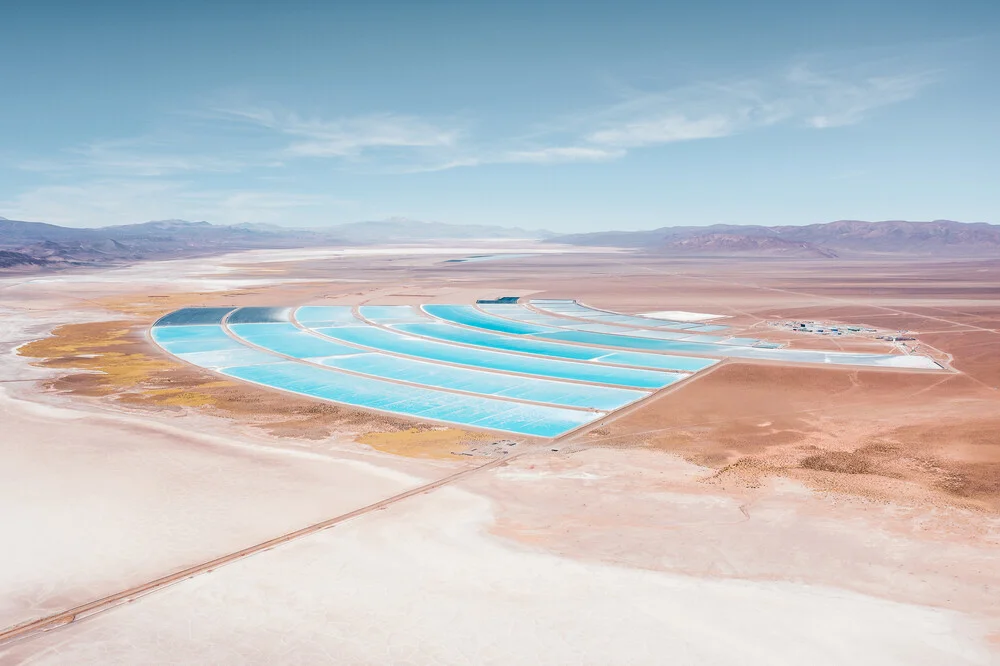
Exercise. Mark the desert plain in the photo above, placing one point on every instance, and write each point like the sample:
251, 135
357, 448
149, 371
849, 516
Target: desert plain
759, 512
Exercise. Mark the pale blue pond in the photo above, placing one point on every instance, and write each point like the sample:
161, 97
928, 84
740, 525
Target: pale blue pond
574, 309
469, 316
396, 342
466, 315
392, 313
454, 371
314, 315
445, 332
535, 420
288, 340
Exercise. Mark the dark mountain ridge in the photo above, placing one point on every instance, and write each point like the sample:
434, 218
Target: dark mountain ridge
34, 245
729, 243
841, 238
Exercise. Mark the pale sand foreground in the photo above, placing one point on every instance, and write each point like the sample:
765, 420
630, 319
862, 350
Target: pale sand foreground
599, 557
654, 511
94, 504
422, 583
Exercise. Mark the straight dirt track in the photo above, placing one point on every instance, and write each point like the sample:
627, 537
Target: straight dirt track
71, 615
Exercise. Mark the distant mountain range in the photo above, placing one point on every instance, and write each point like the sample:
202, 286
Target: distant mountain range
833, 239
31, 245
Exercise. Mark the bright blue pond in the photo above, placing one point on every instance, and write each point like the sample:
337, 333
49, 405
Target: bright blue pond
448, 333
469, 316
291, 341
312, 315
536, 420
399, 343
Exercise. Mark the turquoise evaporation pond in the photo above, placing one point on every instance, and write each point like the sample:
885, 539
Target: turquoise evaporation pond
469, 316
574, 309
784, 355
732, 347
684, 336
617, 330
565, 394
393, 341
258, 315
207, 346
311, 315
459, 314
466, 315
652, 344
394, 313
286, 339
522, 314
449, 333
181, 339
193, 316
529, 317
643, 322
214, 345
466, 410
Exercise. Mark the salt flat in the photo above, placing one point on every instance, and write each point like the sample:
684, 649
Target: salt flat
424, 583
96, 503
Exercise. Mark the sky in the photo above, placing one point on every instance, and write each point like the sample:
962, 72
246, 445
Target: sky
571, 117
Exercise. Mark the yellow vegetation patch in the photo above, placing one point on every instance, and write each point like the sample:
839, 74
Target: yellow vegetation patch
182, 397
72, 339
113, 360
112, 354
416, 443
99, 347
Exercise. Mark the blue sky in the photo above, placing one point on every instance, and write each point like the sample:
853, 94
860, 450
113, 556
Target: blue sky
567, 116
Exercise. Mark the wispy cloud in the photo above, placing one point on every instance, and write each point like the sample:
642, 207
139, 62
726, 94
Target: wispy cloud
802, 94
835, 102
93, 202
665, 129
147, 156
348, 137
559, 154
208, 167
798, 96
549, 155
123, 201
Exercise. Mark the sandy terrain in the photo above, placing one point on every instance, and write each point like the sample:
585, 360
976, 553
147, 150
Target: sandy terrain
761, 514
114, 501
423, 583
879, 434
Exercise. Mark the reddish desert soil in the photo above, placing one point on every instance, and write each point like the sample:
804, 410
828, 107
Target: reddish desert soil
877, 433
881, 434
